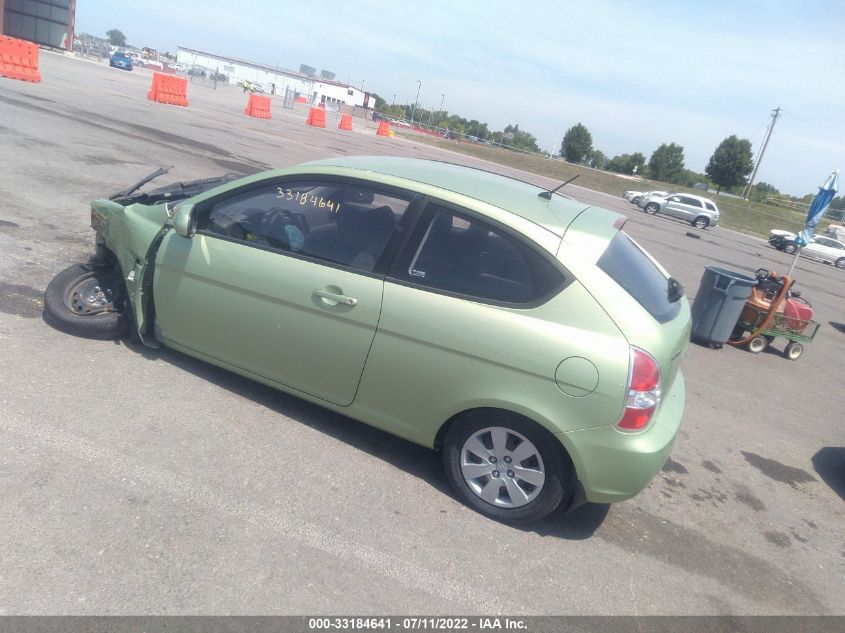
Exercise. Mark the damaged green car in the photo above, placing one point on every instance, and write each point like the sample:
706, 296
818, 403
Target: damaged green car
521, 333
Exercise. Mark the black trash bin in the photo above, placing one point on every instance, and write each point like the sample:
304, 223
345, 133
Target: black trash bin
718, 304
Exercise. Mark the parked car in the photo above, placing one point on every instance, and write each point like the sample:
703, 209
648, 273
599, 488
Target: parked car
120, 60
196, 71
641, 196
436, 302
400, 123
698, 211
820, 247
836, 231
219, 77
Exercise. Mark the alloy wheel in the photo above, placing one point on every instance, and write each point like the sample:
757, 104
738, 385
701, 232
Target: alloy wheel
502, 467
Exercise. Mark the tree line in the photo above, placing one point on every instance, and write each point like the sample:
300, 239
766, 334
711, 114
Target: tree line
454, 125
728, 167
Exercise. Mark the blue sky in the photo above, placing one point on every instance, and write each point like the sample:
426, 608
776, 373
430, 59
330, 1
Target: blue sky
637, 74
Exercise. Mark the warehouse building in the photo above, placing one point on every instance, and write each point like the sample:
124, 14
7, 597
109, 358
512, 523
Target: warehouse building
275, 80
45, 22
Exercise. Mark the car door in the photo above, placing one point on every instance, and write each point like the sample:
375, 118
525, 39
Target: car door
683, 207
281, 281
824, 249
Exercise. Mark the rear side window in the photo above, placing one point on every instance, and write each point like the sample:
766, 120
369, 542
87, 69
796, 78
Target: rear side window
629, 267
465, 256
709, 206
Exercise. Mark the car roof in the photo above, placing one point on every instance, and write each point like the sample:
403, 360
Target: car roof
512, 195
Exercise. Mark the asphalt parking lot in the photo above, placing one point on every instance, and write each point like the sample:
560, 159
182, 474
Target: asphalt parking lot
136, 481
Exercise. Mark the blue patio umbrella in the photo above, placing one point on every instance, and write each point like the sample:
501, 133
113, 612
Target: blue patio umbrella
818, 207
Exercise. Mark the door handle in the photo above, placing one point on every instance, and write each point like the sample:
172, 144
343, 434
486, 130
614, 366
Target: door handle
336, 298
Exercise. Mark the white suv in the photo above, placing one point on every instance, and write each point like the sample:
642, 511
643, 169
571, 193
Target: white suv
698, 211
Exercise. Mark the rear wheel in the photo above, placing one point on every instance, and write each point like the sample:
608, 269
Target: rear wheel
793, 350
87, 300
757, 344
505, 466
840, 263
652, 207
701, 222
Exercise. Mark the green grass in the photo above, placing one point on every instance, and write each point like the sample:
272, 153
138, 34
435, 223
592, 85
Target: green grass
741, 215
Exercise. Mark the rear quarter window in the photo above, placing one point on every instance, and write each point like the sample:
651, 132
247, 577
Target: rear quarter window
633, 270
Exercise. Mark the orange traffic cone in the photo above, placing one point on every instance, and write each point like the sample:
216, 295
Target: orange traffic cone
345, 122
383, 129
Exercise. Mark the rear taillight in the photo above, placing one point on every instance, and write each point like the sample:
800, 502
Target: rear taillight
643, 395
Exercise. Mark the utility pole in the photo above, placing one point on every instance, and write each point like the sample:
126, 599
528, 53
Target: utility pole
747, 191
419, 85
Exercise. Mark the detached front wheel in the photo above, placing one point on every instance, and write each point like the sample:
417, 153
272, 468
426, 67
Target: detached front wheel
505, 466
87, 300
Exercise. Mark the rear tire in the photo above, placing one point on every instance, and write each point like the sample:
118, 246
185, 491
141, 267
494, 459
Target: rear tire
701, 222
651, 208
87, 300
793, 350
505, 466
840, 263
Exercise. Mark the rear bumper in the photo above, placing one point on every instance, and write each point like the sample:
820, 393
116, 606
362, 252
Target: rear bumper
613, 465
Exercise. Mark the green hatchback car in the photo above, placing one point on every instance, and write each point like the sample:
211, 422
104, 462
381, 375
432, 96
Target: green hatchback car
521, 333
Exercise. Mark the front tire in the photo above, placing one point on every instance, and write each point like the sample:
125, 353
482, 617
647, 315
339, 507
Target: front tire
505, 466
651, 208
87, 300
757, 344
789, 248
840, 263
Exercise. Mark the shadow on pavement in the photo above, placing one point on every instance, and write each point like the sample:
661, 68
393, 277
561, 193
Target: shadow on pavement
837, 326
578, 525
414, 459
829, 463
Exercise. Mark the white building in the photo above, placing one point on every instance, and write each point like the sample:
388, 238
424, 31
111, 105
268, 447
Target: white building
276, 80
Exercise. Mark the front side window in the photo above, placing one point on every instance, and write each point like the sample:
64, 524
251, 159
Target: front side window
341, 223
465, 256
